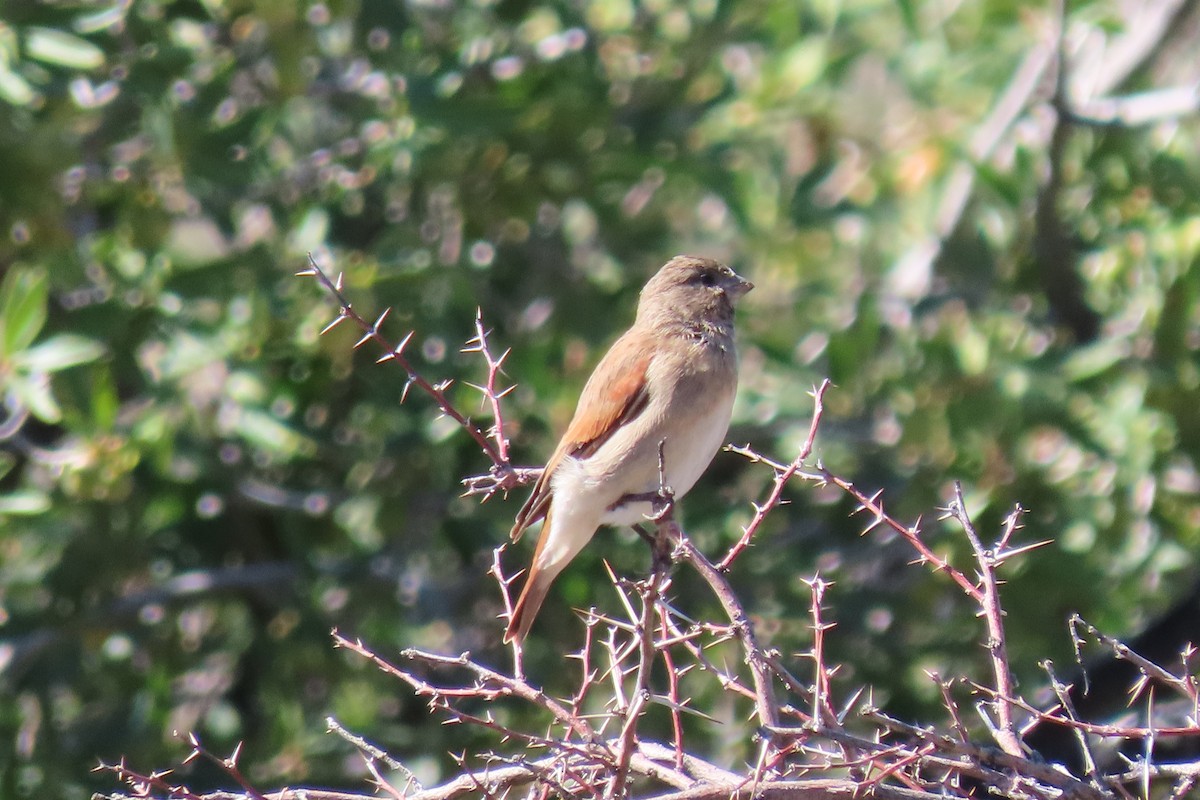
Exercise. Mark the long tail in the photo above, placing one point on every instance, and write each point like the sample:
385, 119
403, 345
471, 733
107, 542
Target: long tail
528, 604
560, 541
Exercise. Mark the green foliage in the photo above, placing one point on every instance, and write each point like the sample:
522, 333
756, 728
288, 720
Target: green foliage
195, 486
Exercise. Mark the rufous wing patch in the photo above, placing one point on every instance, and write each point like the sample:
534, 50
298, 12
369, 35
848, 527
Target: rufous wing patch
615, 394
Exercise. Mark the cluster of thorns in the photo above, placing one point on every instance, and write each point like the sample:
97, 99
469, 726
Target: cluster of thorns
806, 743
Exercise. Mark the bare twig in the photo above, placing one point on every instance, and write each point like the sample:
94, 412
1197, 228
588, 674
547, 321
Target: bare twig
951, 706
1185, 685
782, 476
228, 764
1063, 693
663, 645
372, 754
503, 475
1054, 716
491, 394
988, 756
822, 708
764, 692
650, 590
492, 684
874, 506
993, 615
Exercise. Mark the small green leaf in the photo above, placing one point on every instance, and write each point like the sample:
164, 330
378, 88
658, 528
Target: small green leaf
62, 49
105, 18
268, 433
972, 349
59, 353
14, 89
26, 502
34, 393
1091, 360
24, 296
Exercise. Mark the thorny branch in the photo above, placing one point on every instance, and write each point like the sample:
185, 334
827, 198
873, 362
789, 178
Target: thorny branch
837, 745
602, 755
502, 476
782, 476
989, 561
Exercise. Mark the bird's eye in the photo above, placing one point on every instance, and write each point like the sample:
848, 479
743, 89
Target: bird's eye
708, 279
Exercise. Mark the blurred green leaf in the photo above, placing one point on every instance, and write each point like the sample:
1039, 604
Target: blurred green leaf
33, 392
1092, 360
271, 435
14, 89
103, 18
539, 160
59, 353
23, 297
24, 503
63, 49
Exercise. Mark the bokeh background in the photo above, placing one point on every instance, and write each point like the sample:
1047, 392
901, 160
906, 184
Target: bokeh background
978, 219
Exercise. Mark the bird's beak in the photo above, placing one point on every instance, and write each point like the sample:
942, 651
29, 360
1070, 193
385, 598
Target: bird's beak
739, 287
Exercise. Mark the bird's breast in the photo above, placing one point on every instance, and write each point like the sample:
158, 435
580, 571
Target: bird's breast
692, 427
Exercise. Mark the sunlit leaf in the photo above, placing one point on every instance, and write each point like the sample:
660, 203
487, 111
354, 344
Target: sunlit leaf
1088, 362
104, 18
62, 49
34, 393
14, 89
58, 353
23, 294
270, 434
24, 503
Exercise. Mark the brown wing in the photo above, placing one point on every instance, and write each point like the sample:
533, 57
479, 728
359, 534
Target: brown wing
615, 394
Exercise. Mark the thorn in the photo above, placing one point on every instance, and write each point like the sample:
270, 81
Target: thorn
340, 282
336, 321
307, 272
366, 337
1016, 551
398, 349
385, 357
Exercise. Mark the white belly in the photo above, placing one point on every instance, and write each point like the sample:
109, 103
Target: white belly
686, 456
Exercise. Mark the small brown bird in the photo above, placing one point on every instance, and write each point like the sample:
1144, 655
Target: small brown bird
670, 378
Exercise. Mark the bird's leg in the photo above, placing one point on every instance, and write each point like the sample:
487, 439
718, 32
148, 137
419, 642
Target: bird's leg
662, 501
664, 516
646, 535
665, 504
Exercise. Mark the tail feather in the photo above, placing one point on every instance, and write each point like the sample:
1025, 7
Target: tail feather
560, 541
525, 611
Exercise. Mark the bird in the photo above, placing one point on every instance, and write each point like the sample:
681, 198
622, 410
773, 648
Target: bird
668, 381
